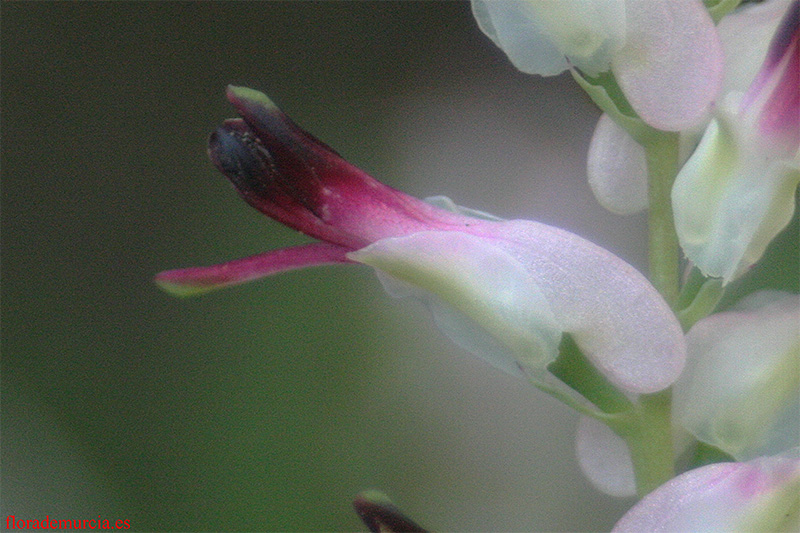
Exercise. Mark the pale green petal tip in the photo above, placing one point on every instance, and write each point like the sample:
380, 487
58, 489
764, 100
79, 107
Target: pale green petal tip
182, 290
376, 497
250, 96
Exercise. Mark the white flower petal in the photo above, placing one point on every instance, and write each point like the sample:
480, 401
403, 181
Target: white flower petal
480, 296
671, 66
604, 458
740, 391
522, 283
527, 47
617, 169
731, 199
540, 36
761, 495
612, 312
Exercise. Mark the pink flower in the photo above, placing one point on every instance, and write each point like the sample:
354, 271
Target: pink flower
504, 290
760, 495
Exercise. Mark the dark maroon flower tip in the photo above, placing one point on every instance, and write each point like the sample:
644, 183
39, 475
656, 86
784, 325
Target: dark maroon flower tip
278, 175
381, 516
787, 32
289, 175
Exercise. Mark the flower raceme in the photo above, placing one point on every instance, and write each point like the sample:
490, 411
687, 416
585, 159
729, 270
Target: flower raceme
736, 190
504, 290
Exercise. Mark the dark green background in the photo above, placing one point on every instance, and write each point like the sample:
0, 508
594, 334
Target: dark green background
267, 406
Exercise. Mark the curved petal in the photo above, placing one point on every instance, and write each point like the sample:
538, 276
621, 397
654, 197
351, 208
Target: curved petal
617, 169
761, 495
671, 66
612, 312
773, 99
197, 280
544, 37
481, 297
740, 391
505, 22
746, 34
289, 175
510, 276
604, 459
731, 198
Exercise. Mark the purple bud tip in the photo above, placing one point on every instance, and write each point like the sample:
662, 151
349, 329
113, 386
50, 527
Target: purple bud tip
236, 153
381, 516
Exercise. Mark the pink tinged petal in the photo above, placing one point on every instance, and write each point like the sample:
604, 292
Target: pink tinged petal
604, 459
736, 191
740, 391
197, 280
617, 169
760, 495
775, 92
480, 296
746, 35
671, 66
612, 312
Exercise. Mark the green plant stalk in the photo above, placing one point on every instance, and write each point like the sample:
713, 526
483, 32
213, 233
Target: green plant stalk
661, 150
647, 430
703, 304
645, 425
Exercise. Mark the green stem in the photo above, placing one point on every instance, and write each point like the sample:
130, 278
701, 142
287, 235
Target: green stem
645, 425
703, 304
574, 369
648, 433
661, 151
719, 8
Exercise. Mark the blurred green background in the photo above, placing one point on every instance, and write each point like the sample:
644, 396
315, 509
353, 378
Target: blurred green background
267, 406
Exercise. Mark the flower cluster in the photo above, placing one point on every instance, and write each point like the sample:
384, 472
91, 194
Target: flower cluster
701, 126
732, 94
